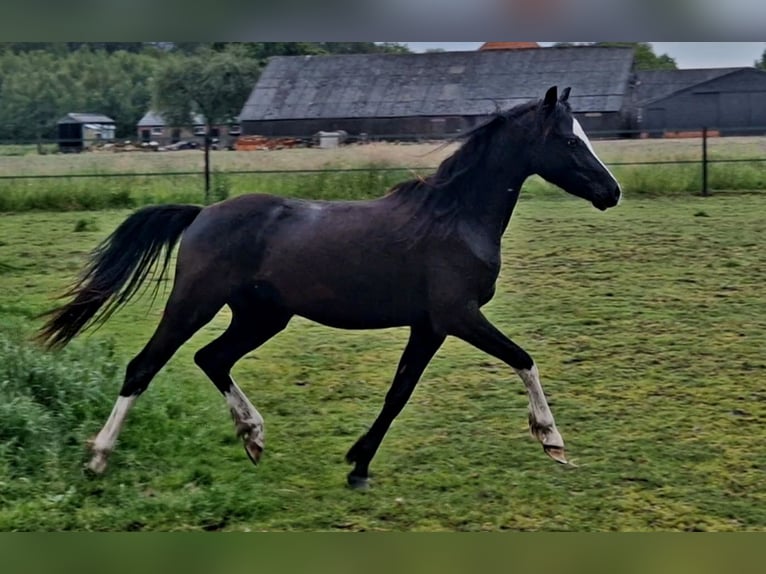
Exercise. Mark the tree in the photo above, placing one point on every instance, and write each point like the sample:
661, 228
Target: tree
762, 62
39, 86
264, 50
114, 84
20, 47
392, 48
212, 83
33, 98
645, 58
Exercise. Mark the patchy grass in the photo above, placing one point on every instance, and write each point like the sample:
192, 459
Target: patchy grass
647, 322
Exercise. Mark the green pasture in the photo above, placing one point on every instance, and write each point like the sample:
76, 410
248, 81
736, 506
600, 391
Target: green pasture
648, 323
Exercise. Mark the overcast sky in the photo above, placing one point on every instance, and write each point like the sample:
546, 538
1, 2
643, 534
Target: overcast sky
686, 54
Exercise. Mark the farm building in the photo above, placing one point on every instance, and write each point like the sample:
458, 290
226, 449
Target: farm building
730, 100
153, 127
78, 131
433, 95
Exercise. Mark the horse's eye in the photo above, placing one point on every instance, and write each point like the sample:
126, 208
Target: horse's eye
571, 142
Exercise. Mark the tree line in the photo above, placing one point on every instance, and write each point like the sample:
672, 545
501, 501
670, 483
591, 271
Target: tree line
40, 82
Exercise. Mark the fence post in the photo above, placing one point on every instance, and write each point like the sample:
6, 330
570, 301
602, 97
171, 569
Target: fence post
207, 166
704, 162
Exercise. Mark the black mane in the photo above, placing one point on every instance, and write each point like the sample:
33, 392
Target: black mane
466, 156
443, 193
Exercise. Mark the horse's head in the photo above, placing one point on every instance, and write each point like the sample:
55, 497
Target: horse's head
565, 157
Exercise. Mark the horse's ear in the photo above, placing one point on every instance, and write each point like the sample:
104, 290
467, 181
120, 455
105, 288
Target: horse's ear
549, 101
565, 95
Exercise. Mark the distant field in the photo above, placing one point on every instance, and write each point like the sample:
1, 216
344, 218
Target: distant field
351, 156
648, 323
381, 165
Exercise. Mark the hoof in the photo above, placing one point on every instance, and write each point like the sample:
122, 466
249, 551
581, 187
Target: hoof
97, 464
556, 453
358, 482
252, 437
254, 452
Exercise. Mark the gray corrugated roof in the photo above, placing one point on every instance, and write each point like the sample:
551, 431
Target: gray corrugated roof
656, 84
77, 118
153, 119
440, 83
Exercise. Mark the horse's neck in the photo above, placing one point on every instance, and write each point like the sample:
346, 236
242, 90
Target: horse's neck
495, 191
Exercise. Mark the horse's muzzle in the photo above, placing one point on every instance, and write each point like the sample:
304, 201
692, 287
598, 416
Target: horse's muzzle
609, 199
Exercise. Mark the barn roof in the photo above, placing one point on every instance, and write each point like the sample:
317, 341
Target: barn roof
653, 85
508, 45
437, 83
155, 119
77, 118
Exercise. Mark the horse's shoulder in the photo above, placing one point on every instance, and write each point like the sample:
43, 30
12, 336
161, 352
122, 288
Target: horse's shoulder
481, 245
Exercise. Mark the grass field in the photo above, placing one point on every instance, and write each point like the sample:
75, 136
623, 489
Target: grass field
648, 323
383, 165
427, 154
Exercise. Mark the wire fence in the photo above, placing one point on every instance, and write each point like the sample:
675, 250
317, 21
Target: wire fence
697, 150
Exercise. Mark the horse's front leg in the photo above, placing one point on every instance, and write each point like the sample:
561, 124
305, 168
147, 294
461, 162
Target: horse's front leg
541, 422
474, 328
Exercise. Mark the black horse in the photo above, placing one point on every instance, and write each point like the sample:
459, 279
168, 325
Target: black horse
426, 255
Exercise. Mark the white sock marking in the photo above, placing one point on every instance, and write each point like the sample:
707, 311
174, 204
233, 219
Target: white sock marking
107, 436
245, 414
538, 404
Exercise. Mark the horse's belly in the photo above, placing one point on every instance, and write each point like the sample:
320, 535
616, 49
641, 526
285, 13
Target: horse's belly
361, 310
340, 320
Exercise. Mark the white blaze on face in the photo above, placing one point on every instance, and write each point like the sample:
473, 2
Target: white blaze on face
580, 133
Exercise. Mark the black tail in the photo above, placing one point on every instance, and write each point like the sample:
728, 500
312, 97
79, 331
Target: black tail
116, 270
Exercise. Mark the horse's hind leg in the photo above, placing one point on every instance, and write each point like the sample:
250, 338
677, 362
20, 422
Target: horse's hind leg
252, 324
420, 349
184, 315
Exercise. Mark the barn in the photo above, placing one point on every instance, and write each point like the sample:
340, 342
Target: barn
153, 127
77, 131
433, 95
729, 100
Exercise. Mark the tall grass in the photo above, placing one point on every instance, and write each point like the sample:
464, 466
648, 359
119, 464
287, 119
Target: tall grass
97, 193
738, 176
48, 401
10, 150
363, 182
